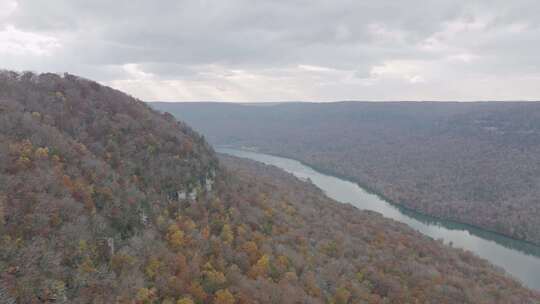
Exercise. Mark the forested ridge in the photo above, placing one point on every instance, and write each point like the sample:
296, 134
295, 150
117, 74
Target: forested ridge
103, 200
476, 163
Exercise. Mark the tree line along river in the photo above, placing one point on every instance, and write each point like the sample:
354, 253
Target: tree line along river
518, 258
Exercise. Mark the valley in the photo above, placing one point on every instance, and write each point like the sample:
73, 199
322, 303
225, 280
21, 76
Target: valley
473, 163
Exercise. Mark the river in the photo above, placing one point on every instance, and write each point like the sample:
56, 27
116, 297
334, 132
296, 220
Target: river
520, 259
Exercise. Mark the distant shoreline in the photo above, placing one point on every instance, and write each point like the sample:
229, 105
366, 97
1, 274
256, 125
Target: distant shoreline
535, 247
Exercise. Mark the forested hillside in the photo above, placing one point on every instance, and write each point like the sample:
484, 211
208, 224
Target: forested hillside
476, 163
103, 200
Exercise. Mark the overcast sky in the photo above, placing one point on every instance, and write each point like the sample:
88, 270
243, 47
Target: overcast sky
250, 50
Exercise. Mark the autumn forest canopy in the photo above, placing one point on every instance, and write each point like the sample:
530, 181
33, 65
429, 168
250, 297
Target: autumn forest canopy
104, 200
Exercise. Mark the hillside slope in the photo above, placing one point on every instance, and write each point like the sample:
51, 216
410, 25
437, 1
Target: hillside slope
82, 169
103, 200
476, 163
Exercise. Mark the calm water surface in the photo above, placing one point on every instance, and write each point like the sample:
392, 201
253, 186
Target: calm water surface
520, 259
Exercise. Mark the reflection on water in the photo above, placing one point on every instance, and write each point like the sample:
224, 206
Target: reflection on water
520, 259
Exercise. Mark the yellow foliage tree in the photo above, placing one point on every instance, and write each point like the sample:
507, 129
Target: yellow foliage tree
175, 237
145, 295
281, 266
36, 115
56, 159
226, 234
213, 279
152, 268
360, 276
224, 296
83, 246
42, 153
185, 300
261, 268
216, 277
26, 148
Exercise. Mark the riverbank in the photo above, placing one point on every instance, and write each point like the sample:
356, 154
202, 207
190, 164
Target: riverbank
518, 258
525, 246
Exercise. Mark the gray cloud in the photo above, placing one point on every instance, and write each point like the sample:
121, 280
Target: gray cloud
252, 50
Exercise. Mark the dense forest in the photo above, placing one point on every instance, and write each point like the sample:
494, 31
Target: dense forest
476, 163
104, 200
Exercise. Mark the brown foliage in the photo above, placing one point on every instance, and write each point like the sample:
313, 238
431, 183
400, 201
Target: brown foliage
256, 237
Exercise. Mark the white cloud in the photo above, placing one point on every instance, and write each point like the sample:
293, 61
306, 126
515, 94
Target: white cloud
381, 33
244, 50
417, 79
314, 68
7, 8
463, 57
409, 71
134, 71
20, 43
